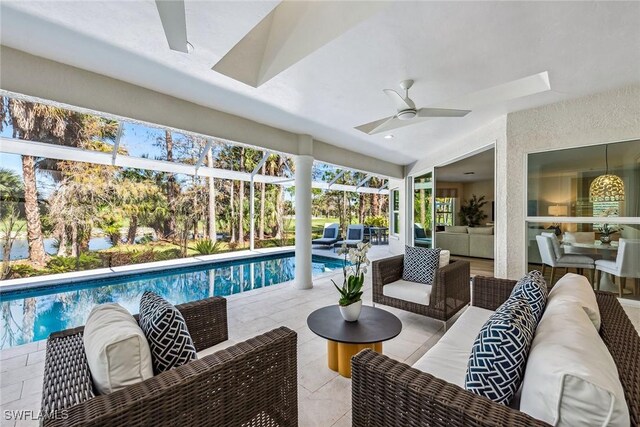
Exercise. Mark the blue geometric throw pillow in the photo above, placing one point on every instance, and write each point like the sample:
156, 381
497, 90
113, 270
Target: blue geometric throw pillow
499, 354
420, 264
166, 331
533, 288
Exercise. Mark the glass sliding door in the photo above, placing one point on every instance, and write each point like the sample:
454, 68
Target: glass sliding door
423, 210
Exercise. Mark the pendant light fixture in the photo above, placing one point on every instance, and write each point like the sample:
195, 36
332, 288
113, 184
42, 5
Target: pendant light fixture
607, 187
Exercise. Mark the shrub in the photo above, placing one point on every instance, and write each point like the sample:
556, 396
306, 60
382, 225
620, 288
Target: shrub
207, 247
19, 271
61, 264
376, 221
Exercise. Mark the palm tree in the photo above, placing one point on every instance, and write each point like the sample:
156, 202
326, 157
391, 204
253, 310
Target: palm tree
33, 121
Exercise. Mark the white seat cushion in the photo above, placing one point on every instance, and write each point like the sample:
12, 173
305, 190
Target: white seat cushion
448, 359
582, 261
408, 291
220, 346
575, 288
607, 266
117, 351
571, 378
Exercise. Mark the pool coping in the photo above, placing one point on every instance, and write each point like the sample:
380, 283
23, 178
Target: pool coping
102, 273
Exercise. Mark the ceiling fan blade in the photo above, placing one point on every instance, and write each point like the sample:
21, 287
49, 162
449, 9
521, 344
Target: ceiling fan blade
441, 112
368, 127
174, 23
398, 100
519, 88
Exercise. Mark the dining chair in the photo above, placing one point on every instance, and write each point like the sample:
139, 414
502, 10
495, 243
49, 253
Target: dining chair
553, 256
625, 266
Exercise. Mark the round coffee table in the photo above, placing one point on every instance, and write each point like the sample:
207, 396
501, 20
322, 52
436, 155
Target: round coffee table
345, 339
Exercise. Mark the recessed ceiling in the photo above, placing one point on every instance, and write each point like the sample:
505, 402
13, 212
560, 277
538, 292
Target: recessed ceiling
481, 164
448, 48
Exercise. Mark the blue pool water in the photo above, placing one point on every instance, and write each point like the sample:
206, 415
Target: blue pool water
32, 315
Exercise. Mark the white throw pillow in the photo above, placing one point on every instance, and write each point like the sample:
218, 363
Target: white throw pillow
117, 350
445, 257
575, 288
571, 378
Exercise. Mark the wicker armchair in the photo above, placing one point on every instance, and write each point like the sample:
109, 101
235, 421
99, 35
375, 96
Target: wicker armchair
389, 393
251, 383
449, 293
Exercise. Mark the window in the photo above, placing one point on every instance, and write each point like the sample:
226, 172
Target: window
395, 217
589, 197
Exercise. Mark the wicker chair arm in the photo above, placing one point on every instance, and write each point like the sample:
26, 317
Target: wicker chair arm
452, 281
387, 270
490, 292
206, 320
253, 380
387, 393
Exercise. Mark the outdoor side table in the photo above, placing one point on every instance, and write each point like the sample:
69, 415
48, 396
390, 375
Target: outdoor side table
346, 339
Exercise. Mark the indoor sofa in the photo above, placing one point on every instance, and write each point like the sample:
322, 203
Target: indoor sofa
389, 393
474, 242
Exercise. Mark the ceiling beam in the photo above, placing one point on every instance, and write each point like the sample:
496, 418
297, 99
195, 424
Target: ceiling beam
260, 163
174, 23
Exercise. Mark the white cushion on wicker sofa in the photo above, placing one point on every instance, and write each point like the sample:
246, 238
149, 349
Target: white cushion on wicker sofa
116, 348
411, 291
220, 346
408, 291
448, 359
571, 378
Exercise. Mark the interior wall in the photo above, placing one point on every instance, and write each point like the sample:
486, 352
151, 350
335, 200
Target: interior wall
605, 117
481, 188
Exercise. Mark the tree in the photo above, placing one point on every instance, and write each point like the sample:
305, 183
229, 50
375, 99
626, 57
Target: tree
32, 121
10, 192
172, 189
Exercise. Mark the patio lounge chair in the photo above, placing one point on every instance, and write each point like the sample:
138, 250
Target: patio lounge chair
355, 235
330, 235
204, 392
420, 236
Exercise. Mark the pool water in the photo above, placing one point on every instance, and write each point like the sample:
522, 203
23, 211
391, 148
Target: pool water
31, 315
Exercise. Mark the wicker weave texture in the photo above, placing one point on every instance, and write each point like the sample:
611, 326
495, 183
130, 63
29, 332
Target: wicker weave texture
449, 293
253, 383
388, 393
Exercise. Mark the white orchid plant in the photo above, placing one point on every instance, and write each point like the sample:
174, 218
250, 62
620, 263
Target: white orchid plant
355, 267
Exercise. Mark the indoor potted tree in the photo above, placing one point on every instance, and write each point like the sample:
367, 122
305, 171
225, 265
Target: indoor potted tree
351, 290
471, 213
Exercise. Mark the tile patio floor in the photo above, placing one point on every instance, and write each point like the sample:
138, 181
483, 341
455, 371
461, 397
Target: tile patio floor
324, 397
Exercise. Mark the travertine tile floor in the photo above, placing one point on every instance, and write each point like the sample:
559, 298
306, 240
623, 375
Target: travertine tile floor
324, 397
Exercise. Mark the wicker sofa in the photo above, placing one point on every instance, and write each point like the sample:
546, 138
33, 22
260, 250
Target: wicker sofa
448, 294
389, 393
251, 383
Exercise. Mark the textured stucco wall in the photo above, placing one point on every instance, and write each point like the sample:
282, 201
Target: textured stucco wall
606, 117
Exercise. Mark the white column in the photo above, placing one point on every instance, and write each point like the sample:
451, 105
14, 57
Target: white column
304, 164
252, 216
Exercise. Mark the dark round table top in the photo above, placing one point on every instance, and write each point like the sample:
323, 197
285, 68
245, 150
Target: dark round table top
373, 325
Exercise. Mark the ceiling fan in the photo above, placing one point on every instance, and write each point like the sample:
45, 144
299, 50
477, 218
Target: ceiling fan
406, 112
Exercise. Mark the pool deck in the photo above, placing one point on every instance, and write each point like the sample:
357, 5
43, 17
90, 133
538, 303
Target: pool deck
324, 397
102, 273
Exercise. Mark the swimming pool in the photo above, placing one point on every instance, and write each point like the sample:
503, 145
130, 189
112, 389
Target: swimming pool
32, 314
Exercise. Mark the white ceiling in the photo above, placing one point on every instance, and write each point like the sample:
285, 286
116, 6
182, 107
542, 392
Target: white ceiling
481, 164
448, 48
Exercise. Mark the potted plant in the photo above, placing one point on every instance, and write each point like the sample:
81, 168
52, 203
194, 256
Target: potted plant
351, 290
471, 212
606, 230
